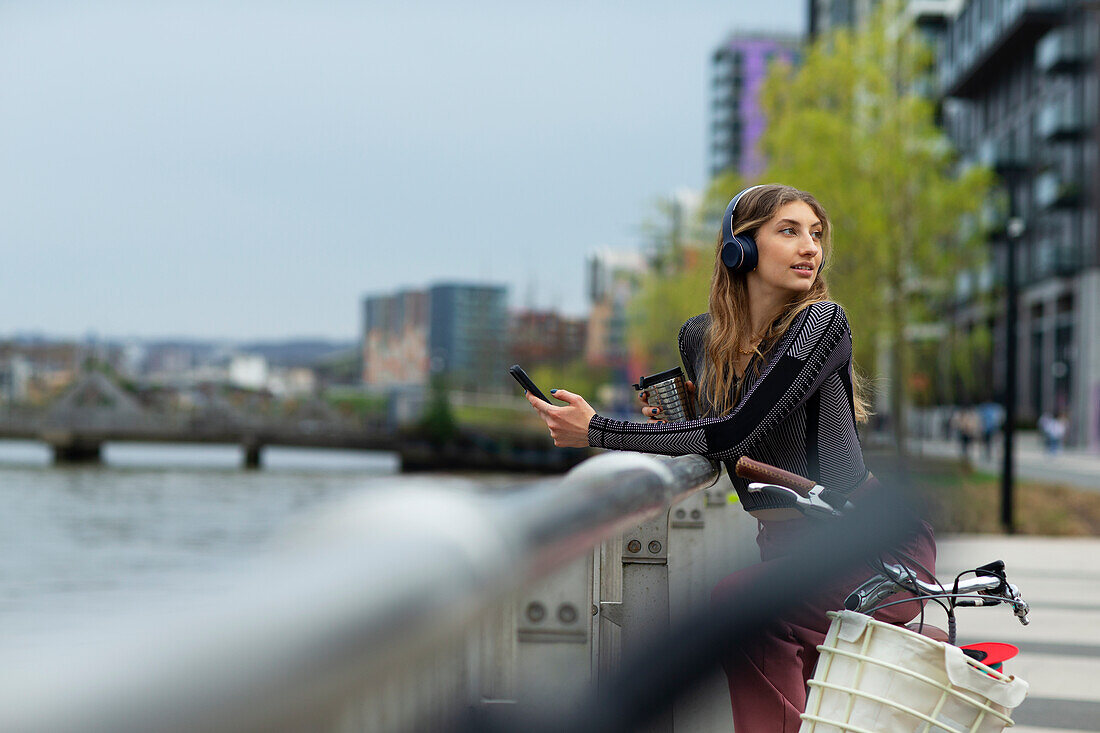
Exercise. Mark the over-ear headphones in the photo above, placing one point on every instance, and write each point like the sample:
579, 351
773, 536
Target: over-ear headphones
738, 251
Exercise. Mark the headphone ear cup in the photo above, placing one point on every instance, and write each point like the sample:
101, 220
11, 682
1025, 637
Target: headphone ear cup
733, 254
752, 256
739, 253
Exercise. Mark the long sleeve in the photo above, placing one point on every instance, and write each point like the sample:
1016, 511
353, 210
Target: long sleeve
816, 346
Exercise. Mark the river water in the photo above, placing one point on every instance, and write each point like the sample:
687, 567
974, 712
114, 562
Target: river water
80, 544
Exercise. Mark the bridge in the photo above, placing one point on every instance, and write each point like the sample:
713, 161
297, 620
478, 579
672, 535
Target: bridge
95, 411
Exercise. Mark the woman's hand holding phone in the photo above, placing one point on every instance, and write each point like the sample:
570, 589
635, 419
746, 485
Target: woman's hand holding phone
653, 412
569, 424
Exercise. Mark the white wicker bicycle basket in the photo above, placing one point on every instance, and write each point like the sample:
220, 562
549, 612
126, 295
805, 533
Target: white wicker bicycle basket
874, 677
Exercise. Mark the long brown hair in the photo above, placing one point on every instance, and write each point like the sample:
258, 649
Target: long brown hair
730, 325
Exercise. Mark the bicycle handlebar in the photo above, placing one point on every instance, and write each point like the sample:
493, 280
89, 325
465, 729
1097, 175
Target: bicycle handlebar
989, 588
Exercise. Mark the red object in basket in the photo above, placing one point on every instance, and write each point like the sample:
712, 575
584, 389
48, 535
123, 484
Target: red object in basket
990, 653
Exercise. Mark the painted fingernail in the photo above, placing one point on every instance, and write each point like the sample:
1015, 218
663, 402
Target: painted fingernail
553, 391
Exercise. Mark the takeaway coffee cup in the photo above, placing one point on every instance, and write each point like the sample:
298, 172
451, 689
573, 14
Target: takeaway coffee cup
667, 390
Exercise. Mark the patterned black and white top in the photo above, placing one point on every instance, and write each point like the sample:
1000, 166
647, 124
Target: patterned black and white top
797, 414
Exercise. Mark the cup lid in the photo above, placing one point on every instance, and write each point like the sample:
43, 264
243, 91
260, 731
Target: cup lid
659, 377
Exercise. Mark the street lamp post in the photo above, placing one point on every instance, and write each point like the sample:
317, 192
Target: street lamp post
1014, 230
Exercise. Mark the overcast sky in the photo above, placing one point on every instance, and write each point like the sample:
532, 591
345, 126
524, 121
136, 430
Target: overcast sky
252, 169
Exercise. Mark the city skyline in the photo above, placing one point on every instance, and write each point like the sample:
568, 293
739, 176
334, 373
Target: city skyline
250, 172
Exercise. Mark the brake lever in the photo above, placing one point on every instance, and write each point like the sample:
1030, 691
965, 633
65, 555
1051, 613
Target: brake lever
811, 504
870, 593
815, 494
1020, 607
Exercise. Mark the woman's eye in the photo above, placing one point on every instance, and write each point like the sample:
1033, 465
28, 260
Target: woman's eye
817, 235
787, 230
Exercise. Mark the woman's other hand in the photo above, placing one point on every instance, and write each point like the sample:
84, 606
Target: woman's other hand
653, 412
569, 424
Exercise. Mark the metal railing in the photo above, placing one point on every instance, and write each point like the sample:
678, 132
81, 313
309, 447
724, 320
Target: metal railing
401, 610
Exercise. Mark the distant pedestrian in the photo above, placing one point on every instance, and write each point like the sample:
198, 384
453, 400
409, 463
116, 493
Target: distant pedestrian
968, 429
1058, 429
1054, 431
992, 417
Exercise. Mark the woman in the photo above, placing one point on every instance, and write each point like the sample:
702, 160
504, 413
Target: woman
773, 362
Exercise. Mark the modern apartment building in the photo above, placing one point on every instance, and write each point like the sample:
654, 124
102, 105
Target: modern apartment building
931, 16
1021, 82
458, 331
825, 15
739, 66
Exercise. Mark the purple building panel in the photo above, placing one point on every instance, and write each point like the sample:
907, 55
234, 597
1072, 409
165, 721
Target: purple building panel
740, 66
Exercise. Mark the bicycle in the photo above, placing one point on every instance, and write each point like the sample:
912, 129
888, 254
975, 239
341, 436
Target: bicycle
874, 677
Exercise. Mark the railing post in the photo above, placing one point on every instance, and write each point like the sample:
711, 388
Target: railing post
495, 675
607, 583
643, 612
670, 565
252, 451
687, 565
69, 447
553, 620
729, 542
709, 540
689, 590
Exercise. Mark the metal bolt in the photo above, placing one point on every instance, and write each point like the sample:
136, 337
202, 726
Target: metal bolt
654, 547
595, 609
680, 514
567, 614
695, 514
634, 546
535, 612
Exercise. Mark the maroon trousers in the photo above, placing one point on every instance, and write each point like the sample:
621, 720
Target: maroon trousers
768, 675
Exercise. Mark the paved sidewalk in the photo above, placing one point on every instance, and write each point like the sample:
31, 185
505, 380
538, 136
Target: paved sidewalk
1071, 467
1060, 649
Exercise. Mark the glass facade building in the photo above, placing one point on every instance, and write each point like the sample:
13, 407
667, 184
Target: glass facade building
468, 335
1020, 84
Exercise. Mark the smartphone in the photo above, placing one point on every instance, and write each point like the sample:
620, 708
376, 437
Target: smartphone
525, 381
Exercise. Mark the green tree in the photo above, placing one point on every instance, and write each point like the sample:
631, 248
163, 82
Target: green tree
663, 303
850, 125
438, 422
677, 286
970, 367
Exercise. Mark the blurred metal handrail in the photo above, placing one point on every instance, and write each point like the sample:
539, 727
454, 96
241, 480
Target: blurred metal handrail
344, 606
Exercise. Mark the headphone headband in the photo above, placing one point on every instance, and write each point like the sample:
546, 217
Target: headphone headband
733, 204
